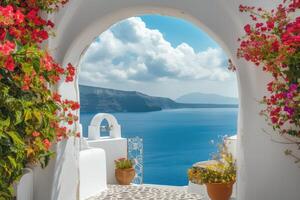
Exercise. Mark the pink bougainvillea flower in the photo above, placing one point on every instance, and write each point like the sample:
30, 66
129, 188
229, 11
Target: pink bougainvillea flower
290, 111
293, 87
247, 29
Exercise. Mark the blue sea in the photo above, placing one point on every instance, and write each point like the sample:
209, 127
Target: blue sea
175, 139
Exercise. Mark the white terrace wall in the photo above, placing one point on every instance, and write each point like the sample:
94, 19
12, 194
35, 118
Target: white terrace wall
264, 173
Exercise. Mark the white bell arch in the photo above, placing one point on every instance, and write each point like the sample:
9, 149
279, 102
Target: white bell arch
94, 131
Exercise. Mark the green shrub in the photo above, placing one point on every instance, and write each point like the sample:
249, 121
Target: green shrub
124, 163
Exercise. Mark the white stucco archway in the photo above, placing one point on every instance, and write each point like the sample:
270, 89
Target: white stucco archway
264, 173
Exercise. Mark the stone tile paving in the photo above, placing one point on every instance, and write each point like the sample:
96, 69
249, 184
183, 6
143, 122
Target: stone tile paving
134, 192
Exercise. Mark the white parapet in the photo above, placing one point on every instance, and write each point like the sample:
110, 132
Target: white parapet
114, 145
24, 188
92, 165
114, 148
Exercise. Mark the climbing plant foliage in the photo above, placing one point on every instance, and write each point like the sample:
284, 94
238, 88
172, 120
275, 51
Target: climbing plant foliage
272, 42
32, 115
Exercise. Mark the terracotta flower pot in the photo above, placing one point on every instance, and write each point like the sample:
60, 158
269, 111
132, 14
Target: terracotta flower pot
219, 191
124, 176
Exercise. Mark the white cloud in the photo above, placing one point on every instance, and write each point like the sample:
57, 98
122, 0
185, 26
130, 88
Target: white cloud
129, 51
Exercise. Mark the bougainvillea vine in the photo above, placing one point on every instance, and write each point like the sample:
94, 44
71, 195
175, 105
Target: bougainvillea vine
32, 114
272, 42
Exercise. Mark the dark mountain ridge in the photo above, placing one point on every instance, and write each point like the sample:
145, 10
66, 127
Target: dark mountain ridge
96, 99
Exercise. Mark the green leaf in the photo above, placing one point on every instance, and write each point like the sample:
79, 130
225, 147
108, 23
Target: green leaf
45, 158
27, 68
5, 123
12, 161
15, 137
38, 115
18, 117
27, 115
2, 135
36, 64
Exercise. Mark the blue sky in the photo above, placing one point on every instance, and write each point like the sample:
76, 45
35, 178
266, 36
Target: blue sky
177, 31
157, 55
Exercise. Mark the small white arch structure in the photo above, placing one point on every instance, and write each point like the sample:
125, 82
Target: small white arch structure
114, 145
94, 132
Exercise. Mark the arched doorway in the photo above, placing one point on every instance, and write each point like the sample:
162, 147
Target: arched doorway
81, 21
160, 59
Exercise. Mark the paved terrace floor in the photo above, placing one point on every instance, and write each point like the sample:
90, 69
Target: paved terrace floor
145, 192
150, 192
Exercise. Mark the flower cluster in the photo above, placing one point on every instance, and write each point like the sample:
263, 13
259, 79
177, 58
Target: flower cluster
272, 41
26, 26
9, 17
221, 170
6, 59
32, 115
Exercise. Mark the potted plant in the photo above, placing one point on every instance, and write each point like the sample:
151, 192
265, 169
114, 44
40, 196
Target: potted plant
218, 175
124, 171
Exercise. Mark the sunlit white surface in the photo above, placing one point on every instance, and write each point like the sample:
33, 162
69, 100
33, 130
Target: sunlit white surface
92, 165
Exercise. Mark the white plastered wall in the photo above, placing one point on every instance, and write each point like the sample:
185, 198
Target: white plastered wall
264, 173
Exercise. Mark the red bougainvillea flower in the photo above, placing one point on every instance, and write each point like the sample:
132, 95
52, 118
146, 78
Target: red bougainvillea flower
70, 73
270, 24
2, 34
39, 35
47, 62
71, 69
36, 134
9, 64
57, 97
75, 106
69, 79
19, 17
47, 144
50, 24
291, 36
6, 15
7, 48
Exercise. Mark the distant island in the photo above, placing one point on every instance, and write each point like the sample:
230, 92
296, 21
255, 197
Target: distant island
198, 97
96, 99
